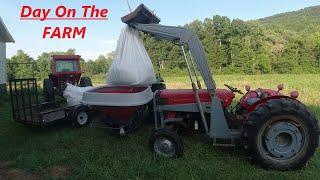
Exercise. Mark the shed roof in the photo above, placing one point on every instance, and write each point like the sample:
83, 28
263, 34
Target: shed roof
5, 36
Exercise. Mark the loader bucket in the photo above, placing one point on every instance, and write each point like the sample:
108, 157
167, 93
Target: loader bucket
141, 15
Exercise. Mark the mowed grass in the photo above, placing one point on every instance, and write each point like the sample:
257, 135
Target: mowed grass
92, 153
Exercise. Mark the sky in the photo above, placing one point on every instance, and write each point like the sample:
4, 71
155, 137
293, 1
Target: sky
101, 36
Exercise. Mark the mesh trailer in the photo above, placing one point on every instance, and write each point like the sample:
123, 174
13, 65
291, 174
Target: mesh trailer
27, 109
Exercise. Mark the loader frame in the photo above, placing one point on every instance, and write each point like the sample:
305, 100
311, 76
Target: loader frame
142, 20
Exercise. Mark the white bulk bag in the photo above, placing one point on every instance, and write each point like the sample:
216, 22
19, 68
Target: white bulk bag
131, 64
73, 94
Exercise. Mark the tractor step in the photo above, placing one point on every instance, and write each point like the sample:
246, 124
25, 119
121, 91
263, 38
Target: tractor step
220, 142
223, 145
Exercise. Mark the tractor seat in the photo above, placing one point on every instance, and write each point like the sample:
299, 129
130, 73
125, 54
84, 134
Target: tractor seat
185, 96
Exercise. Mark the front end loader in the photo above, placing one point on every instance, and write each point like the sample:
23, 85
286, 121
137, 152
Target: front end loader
278, 130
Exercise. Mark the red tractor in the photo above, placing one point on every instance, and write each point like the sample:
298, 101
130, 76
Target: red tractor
277, 129
64, 69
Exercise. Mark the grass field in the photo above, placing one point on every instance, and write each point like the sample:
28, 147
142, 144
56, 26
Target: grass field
90, 153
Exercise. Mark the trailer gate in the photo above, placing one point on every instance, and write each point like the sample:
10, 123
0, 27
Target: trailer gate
25, 105
24, 101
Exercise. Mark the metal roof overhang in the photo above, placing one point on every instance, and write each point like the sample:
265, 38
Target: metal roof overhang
5, 36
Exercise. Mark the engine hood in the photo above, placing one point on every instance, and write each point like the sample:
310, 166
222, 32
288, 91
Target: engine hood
185, 96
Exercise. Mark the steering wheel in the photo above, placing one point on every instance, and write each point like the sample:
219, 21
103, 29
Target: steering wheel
233, 89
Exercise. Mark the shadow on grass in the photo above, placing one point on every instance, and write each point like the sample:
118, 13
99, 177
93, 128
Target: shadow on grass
315, 109
57, 126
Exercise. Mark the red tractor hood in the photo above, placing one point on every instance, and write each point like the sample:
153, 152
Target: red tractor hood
185, 96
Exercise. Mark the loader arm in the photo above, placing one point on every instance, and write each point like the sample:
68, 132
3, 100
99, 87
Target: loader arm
182, 36
144, 20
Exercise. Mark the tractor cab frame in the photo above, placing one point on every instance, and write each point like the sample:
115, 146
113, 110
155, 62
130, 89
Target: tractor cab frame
64, 69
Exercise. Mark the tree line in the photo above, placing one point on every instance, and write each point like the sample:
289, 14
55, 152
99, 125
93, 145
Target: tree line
246, 47
23, 65
232, 47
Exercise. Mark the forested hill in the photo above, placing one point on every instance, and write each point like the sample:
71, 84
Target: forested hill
283, 43
307, 19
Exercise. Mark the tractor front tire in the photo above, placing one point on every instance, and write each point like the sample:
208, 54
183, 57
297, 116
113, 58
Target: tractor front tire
281, 134
85, 82
167, 143
48, 90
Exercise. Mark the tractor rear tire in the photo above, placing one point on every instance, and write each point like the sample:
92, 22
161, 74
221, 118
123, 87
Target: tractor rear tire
85, 82
281, 134
167, 143
48, 90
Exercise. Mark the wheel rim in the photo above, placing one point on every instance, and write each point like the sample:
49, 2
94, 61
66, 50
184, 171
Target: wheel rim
82, 118
164, 147
283, 140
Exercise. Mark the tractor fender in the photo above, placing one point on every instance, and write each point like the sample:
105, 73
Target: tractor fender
263, 101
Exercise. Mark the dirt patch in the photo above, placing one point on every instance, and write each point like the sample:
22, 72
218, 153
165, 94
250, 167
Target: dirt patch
60, 172
15, 174
55, 172
6, 164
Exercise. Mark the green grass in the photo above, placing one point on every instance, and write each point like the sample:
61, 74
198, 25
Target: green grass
94, 153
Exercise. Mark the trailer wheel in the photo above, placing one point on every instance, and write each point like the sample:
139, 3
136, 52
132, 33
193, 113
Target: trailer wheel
48, 90
85, 82
81, 116
281, 134
166, 143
